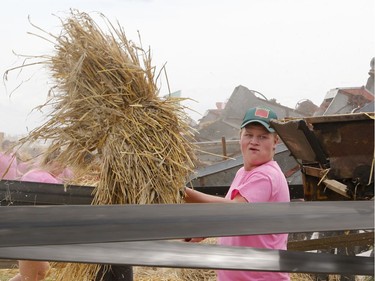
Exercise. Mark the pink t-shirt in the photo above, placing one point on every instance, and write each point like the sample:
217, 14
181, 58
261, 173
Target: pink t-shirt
265, 183
23, 167
66, 174
8, 161
37, 175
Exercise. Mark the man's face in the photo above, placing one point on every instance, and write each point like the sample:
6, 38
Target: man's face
257, 145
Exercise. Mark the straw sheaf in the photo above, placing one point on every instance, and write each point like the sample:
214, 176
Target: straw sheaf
107, 117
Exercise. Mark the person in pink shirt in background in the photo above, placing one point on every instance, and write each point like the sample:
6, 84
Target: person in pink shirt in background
25, 162
48, 171
259, 180
8, 162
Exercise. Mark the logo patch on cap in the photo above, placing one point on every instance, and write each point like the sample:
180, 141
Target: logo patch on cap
263, 113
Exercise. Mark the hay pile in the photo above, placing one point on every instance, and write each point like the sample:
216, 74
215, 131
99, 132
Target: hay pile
105, 106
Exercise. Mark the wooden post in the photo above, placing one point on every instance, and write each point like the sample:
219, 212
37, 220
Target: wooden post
116, 273
224, 145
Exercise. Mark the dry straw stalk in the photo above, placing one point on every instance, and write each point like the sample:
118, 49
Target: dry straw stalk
106, 108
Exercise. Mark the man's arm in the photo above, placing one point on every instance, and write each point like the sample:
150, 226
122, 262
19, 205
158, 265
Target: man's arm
193, 196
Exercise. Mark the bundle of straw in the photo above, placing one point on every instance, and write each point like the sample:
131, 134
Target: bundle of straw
106, 105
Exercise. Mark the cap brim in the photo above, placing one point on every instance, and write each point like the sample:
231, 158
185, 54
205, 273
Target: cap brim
265, 125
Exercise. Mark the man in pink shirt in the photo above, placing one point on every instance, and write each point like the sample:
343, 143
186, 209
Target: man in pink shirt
259, 180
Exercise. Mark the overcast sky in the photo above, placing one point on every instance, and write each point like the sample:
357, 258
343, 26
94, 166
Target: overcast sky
285, 49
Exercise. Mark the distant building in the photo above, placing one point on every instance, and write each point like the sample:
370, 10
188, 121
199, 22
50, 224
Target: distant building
307, 106
225, 120
349, 99
344, 100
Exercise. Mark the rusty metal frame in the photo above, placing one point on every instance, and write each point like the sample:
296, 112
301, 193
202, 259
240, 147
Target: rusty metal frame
333, 151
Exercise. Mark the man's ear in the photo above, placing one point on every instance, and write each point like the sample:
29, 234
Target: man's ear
276, 138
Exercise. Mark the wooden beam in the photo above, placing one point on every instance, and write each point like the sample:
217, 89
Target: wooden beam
337, 187
350, 240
